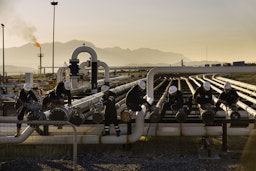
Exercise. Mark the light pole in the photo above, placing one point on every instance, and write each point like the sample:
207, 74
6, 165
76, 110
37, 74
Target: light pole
3, 51
54, 4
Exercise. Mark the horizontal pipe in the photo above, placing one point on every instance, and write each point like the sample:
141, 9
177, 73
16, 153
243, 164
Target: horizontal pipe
195, 70
95, 139
152, 129
247, 108
239, 83
24, 135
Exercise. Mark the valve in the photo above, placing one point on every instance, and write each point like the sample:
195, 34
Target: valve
74, 68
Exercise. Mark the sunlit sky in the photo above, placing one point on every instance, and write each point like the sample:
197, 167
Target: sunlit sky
199, 29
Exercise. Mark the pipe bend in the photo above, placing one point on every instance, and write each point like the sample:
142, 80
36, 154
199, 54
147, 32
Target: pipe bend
24, 135
80, 49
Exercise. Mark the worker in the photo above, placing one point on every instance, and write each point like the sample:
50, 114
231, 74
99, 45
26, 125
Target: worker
108, 100
56, 96
134, 97
175, 100
228, 97
25, 96
202, 96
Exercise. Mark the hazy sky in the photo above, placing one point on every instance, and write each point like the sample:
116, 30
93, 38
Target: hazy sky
222, 30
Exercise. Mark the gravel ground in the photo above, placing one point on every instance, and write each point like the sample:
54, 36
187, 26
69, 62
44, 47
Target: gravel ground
156, 154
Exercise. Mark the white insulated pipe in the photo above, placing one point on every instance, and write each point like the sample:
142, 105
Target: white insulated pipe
247, 91
195, 70
106, 69
239, 83
60, 76
99, 63
80, 49
244, 96
248, 109
24, 135
138, 129
155, 116
94, 68
206, 115
193, 129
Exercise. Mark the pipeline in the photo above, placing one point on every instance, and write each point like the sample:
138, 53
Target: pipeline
94, 68
251, 111
195, 70
250, 99
206, 115
106, 68
235, 116
24, 135
86, 103
239, 83
138, 129
155, 116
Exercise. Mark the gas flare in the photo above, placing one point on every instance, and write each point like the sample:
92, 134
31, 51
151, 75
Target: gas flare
37, 44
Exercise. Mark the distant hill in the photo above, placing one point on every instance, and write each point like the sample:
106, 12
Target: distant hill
16, 70
27, 56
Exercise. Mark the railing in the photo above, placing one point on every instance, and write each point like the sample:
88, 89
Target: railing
30, 130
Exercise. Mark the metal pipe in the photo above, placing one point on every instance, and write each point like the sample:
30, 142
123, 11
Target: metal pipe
206, 115
88, 102
63, 74
239, 83
196, 70
24, 135
138, 130
106, 73
159, 129
155, 116
244, 96
242, 89
94, 67
248, 109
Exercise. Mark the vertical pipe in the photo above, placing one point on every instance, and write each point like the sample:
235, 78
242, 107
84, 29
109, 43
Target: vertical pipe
3, 52
94, 77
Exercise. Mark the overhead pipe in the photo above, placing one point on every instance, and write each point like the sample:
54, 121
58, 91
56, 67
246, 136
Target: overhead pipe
94, 68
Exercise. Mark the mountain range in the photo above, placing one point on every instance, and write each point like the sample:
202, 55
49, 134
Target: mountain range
26, 58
